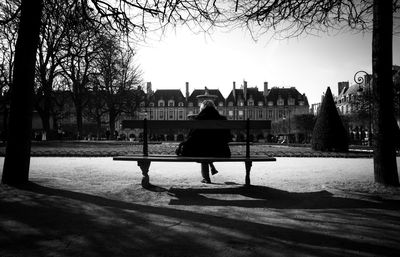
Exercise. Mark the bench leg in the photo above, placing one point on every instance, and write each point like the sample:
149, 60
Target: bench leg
248, 165
144, 166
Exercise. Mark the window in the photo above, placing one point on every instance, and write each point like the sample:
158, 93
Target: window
291, 101
171, 103
220, 104
230, 104
151, 104
180, 114
142, 104
170, 114
180, 104
190, 112
280, 102
259, 114
250, 102
161, 114
190, 104
260, 103
250, 114
161, 103
241, 103
270, 114
270, 103
221, 112
301, 103
230, 113
151, 114
241, 113
280, 114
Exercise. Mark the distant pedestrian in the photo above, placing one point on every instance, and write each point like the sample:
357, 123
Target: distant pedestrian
207, 142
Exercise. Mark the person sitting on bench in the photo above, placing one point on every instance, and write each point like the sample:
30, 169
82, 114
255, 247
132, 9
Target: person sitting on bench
207, 142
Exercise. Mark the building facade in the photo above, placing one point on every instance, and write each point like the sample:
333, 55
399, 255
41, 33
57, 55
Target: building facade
245, 102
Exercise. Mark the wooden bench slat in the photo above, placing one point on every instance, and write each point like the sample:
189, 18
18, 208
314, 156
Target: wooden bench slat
198, 124
170, 158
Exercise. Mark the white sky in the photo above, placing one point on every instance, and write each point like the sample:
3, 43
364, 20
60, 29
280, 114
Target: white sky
309, 63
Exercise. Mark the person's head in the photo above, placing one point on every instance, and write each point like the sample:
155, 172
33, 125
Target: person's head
207, 103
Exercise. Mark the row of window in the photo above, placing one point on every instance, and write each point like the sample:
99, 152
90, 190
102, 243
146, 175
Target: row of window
170, 114
347, 98
171, 103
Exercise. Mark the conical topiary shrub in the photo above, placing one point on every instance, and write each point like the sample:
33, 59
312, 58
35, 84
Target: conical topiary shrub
329, 133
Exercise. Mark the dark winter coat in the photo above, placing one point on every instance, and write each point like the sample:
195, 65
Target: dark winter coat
207, 142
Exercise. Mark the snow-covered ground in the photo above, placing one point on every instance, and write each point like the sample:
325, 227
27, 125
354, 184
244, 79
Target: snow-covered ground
296, 207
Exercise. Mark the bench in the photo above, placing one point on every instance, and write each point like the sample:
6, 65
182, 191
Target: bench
144, 160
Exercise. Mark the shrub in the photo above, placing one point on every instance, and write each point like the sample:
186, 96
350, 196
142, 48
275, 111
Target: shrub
329, 133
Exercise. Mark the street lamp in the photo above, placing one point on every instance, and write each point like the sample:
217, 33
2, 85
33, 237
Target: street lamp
359, 78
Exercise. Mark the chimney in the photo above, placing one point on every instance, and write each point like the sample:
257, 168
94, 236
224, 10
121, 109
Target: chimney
234, 91
245, 90
148, 88
265, 93
342, 85
187, 91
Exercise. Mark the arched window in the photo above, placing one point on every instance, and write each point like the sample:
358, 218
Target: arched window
161, 103
171, 103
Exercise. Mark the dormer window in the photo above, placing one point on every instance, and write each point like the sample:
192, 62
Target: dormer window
280, 101
260, 103
270, 103
220, 104
190, 104
250, 103
301, 103
180, 104
142, 104
241, 103
230, 103
171, 103
161, 103
291, 101
151, 104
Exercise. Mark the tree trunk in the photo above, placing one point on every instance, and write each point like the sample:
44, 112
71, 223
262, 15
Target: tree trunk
385, 167
79, 120
17, 160
112, 123
98, 127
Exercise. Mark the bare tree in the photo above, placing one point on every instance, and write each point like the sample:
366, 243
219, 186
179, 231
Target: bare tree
52, 33
8, 40
117, 76
296, 17
124, 15
79, 51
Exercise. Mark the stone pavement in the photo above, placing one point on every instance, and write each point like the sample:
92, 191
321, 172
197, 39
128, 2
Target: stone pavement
116, 148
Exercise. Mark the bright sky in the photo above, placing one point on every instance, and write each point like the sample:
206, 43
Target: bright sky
309, 63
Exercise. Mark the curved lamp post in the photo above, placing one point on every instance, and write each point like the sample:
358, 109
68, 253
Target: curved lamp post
359, 78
